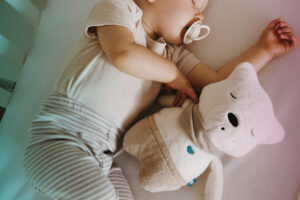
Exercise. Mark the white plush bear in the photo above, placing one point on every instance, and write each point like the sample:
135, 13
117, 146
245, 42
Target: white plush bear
176, 145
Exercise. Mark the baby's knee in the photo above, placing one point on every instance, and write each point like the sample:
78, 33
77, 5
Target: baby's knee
62, 171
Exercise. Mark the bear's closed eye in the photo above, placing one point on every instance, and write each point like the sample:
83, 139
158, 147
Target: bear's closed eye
232, 96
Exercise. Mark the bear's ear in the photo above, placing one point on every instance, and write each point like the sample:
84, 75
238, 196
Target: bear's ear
276, 133
244, 71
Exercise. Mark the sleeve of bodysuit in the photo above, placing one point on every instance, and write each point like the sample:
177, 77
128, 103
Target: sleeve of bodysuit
183, 58
109, 12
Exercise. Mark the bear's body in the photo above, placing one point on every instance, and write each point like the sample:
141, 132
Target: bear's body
185, 159
176, 145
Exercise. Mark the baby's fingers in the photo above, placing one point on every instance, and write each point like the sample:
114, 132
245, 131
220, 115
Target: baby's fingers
274, 23
177, 98
286, 36
180, 98
289, 40
284, 30
280, 24
169, 89
191, 93
294, 41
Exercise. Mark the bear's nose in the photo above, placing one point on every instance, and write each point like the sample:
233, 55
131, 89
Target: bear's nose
233, 120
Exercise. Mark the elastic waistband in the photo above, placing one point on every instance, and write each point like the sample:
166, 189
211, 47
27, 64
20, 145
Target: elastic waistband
75, 116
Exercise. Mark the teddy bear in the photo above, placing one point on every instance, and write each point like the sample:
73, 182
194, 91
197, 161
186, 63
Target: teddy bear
177, 144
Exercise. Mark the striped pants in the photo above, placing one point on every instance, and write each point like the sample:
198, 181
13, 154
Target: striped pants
70, 153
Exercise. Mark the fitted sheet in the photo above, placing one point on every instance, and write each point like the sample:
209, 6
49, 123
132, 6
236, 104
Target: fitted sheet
269, 172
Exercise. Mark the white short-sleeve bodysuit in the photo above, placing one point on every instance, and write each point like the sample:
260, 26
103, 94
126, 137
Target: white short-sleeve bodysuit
93, 81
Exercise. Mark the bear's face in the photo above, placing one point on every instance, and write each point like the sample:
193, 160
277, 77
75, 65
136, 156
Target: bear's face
238, 114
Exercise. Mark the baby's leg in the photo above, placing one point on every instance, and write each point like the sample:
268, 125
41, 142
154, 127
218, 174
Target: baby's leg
60, 169
120, 183
65, 158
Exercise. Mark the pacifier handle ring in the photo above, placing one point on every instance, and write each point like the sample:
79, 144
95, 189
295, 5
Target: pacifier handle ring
196, 25
206, 34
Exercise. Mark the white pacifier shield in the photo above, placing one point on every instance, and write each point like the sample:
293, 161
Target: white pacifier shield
194, 31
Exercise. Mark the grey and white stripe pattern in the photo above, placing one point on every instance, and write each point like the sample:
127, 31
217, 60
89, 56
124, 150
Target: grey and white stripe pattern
70, 153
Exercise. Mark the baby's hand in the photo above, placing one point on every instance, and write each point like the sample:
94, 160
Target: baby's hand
184, 89
278, 38
180, 96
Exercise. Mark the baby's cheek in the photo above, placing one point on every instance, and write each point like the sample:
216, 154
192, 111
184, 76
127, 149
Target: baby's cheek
174, 33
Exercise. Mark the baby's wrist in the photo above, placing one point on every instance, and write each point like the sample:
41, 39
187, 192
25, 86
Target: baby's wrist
265, 50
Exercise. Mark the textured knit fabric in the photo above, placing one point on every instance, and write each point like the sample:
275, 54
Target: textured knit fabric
69, 155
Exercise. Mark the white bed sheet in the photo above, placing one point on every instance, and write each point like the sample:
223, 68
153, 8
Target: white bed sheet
270, 172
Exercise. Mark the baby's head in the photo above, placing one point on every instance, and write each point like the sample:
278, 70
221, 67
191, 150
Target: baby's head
171, 18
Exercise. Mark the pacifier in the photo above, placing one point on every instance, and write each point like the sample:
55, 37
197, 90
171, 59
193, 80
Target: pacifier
194, 32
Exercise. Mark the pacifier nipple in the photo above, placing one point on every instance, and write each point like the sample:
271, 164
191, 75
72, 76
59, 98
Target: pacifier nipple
194, 32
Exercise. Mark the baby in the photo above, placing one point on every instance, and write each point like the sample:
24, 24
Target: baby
130, 48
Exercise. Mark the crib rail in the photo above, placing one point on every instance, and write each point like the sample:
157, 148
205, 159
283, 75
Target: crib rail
18, 19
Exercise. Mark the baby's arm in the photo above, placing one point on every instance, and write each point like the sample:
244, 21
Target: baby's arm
136, 60
276, 40
202, 75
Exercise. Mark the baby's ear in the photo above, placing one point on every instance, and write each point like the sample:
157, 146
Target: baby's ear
202, 4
